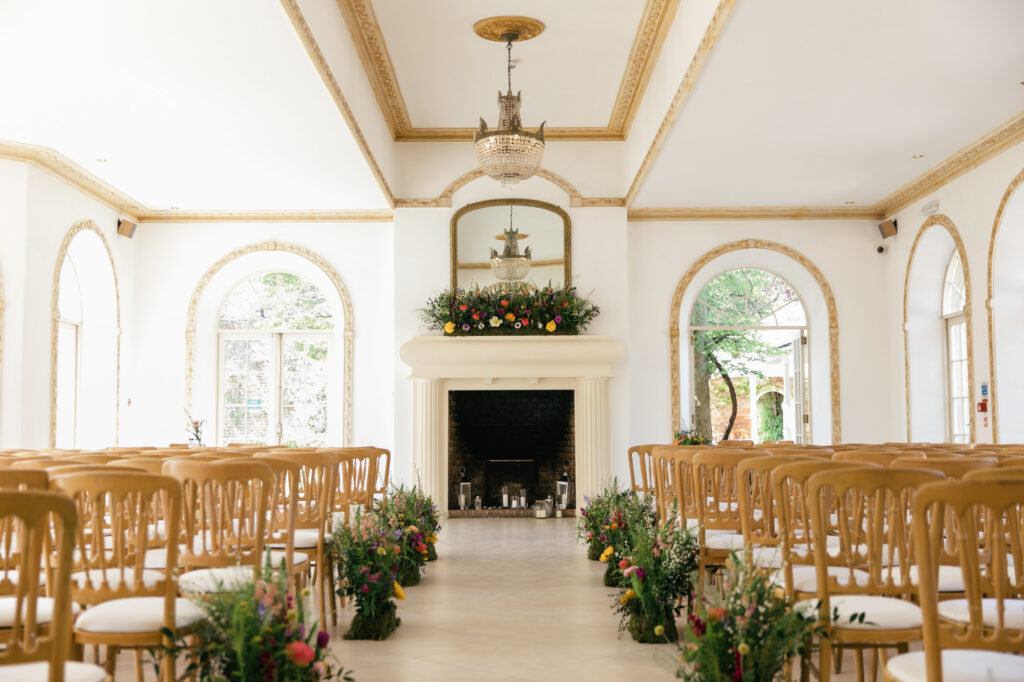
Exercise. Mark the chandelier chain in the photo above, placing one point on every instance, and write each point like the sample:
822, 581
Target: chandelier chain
509, 44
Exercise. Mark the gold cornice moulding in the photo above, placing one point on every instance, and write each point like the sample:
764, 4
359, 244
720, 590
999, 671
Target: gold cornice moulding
694, 213
382, 215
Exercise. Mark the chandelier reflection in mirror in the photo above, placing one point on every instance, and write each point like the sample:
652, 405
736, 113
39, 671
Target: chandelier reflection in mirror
509, 154
509, 265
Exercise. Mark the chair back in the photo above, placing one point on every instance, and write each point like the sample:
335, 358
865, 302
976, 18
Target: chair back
283, 505
641, 468
952, 467
224, 511
316, 481
663, 477
123, 514
969, 509
758, 511
382, 471
716, 489
31, 523
870, 508
355, 477
882, 458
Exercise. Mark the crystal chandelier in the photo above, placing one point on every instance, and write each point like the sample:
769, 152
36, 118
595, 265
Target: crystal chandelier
509, 154
510, 265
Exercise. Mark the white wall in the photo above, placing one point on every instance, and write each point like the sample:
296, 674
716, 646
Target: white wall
971, 202
170, 260
13, 218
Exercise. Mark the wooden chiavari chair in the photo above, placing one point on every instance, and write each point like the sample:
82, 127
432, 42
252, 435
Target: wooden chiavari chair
979, 637
663, 478
125, 513
716, 501
224, 521
1011, 463
758, 509
40, 524
954, 467
870, 508
641, 465
284, 502
880, 457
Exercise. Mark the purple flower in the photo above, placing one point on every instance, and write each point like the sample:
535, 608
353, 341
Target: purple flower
640, 573
321, 639
364, 588
465, 327
558, 318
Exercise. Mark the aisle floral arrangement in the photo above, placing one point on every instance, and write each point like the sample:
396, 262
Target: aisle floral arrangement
256, 631
411, 517
686, 435
657, 575
366, 555
515, 310
749, 634
608, 524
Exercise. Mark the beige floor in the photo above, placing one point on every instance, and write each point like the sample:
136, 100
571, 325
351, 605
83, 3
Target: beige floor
509, 599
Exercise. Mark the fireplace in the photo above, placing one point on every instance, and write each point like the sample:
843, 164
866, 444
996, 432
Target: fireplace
518, 439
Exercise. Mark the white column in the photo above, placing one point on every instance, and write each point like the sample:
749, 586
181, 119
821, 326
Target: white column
592, 463
429, 437
752, 408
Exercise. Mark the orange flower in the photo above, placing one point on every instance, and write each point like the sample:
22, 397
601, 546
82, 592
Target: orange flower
504, 302
510, 317
716, 614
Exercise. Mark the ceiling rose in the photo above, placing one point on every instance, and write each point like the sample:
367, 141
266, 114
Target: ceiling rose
509, 154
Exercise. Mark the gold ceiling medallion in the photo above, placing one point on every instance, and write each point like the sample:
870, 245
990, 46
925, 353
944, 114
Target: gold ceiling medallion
510, 153
496, 28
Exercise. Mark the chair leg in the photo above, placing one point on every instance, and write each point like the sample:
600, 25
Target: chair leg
859, 660
111, 663
825, 659
140, 676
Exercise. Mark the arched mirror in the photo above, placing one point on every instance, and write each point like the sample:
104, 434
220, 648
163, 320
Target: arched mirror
510, 240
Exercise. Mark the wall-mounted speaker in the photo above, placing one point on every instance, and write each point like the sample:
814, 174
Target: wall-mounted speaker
126, 228
887, 229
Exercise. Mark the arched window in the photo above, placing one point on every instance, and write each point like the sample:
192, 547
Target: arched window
276, 346
954, 301
749, 338
84, 388
69, 325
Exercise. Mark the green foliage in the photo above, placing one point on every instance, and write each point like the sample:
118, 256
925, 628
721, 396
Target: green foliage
410, 517
256, 631
513, 309
607, 519
657, 573
276, 301
769, 410
366, 555
749, 634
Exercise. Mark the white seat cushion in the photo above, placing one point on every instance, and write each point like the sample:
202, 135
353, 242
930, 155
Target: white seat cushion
44, 611
960, 665
950, 577
113, 578
805, 578
1013, 615
880, 613
214, 579
726, 541
304, 538
40, 672
157, 558
136, 614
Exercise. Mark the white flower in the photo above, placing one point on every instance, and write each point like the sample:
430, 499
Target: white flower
540, 325
518, 325
495, 321
480, 325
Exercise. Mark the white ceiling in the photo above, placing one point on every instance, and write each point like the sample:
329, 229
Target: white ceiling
195, 104
450, 77
808, 102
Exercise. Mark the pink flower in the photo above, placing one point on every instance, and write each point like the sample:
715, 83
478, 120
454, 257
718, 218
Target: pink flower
320, 669
629, 570
299, 653
624, 564
364, 588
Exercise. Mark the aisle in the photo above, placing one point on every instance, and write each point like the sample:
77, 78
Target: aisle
509, 599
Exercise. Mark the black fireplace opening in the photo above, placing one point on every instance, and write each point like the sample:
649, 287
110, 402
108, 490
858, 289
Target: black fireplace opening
512, 439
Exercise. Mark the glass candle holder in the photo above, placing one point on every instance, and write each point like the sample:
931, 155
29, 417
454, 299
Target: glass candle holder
504, 496
464, 494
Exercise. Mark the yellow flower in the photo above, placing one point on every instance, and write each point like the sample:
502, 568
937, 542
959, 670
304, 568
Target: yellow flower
659, 630
551, 326
626, 596
449, 327
292, 614
743, 649
306, 591
510, 317
607, 553
399, 592
381, 551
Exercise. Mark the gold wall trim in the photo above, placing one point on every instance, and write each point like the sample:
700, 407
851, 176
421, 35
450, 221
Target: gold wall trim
78, 227
652, 31
347, 324
707, 42
993, 382
966, 159
73, 174
753, 213
291, 8
944, 221
810, 267
383, 215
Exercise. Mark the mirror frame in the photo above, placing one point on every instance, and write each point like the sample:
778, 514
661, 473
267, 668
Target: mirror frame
566, 230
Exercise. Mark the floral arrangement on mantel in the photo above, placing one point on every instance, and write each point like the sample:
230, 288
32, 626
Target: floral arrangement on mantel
511, 310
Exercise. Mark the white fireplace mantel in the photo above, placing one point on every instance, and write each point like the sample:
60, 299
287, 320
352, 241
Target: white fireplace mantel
583, 364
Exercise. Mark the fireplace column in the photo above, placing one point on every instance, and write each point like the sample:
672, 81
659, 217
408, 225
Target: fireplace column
592, 461
429, 441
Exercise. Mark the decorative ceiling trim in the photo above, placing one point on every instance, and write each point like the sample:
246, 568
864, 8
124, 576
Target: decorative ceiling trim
383, 215
291, 8
73, 174
707, 42
966, 159
653, 29
682, 213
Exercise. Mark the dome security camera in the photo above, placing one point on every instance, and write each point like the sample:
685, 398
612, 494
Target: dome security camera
880, 249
